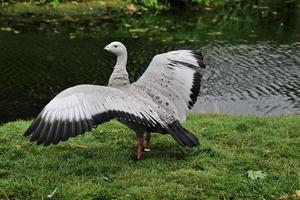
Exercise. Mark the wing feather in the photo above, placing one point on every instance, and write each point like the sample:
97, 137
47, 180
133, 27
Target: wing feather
79, 109
176, 76
50, 137
58, 130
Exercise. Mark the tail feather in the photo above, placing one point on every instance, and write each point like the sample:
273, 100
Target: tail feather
182, 136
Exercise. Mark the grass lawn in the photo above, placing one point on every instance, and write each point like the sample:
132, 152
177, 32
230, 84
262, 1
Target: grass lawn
239, 158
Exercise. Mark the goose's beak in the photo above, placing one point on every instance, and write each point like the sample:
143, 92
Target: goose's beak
106, 48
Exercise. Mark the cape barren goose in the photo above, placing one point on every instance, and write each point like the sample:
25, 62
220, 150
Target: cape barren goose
157, 102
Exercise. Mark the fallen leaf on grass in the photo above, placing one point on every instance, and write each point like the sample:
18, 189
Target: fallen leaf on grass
8, 29
69, 18
255, 175
298, 194
138, 30
131, 8
284, 197
207, 8
52, 193
214, 33
81, 146
215, 19
107, 179
72, 36
294, 196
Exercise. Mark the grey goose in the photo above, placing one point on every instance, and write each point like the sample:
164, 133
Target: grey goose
159, 101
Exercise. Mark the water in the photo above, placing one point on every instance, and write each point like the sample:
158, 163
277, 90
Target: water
253, 65
261, 78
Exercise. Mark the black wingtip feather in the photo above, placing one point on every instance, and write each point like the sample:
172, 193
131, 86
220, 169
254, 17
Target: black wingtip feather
47, 133
37, 132
101, 118
43, 134
73, 129
195, 89
32, 126
50, 136
59, 129
198, 55
65, 131
182, 136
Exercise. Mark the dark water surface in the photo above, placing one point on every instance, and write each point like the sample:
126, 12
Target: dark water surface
254, 63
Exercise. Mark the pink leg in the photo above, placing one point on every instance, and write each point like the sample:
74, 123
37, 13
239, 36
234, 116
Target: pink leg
140, 147
147, 138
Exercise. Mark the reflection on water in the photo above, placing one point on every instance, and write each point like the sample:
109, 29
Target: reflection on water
245, 75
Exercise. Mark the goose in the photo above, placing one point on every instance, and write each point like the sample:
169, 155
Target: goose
159, 101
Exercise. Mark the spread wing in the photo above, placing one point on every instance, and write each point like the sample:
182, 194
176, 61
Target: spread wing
78, 109
177, 76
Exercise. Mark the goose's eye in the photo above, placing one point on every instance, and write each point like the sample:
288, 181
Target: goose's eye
115, 46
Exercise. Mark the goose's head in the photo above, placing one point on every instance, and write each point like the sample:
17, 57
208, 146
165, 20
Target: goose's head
116, 48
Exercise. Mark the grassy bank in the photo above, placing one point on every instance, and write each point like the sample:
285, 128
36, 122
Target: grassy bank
64, 9
239, 157
123, 19
103, 7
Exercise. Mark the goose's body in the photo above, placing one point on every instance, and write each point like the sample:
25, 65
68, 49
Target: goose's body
157, 102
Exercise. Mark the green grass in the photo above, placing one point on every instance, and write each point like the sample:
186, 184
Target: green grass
98, 165
63, 9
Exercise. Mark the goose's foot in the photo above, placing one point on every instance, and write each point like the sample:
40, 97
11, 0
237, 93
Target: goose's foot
148, 139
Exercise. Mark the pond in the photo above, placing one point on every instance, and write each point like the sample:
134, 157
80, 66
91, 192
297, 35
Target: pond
253, 58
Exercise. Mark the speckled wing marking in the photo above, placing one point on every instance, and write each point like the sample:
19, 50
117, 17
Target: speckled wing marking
177, 76
78, 109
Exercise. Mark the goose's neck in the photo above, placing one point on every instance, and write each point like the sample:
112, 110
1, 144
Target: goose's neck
119, 76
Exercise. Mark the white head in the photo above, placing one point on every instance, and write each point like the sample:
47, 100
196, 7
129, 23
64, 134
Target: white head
116, 48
